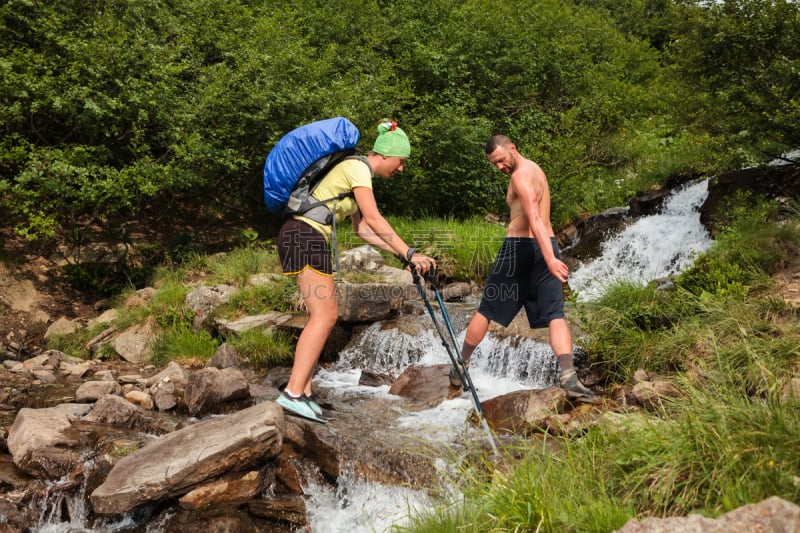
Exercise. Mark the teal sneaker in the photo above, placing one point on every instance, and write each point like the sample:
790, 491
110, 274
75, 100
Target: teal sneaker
299, 406
312, 402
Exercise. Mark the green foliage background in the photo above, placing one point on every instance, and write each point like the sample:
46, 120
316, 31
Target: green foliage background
108, 106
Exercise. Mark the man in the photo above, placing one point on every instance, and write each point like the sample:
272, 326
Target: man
528, 270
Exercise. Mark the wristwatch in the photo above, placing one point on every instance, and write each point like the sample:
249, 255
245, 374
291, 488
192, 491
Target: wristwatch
410, 253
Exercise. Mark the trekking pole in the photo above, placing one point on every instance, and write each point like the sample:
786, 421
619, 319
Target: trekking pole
459, 360
452, 351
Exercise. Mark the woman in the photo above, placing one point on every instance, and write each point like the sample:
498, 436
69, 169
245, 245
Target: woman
304, 247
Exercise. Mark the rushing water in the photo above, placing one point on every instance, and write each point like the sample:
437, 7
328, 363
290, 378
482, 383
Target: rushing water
652, 247
498, 366
359, 506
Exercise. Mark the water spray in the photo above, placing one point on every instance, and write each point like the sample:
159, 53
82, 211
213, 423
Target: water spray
451, 347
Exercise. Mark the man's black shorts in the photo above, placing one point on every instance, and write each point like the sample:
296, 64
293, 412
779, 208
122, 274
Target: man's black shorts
520, 277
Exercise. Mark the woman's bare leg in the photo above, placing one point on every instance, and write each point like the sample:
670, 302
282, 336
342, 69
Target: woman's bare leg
319, 294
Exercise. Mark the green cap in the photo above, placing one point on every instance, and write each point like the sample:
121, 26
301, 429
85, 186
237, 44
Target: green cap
391, 141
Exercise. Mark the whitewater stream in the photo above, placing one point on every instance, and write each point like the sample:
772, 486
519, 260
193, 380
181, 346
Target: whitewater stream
653, 247
649, 248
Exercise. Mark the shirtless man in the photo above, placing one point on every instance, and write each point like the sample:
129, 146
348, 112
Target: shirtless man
528, 270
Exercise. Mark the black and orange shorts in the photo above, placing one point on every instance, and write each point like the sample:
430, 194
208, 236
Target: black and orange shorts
300, 247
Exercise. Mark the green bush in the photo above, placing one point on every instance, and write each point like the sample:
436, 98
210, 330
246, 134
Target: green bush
264, 349
177, 343
110, 108
742, 57
754, 243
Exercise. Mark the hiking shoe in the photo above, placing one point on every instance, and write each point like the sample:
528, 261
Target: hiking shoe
312, 402
299, 406
573, 387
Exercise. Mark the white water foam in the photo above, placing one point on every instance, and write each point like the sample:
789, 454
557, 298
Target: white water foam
497, 368
359, 506
651, 248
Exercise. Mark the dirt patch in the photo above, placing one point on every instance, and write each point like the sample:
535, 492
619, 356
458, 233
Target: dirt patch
33, 295
34, 291
788, 281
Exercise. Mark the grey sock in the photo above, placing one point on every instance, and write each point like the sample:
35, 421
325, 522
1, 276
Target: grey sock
466, 352
565, 362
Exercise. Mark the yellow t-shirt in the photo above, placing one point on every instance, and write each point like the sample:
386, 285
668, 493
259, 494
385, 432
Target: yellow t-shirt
344, 177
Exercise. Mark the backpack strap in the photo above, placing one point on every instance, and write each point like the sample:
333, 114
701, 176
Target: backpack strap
318, 210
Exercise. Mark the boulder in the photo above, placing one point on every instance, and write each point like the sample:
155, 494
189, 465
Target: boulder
62, 327
176, 463
209, 387
203, 300
39, 441
226, 356
91, 391
362, 258
369, 302
429, 385
133, 344
231, 489
771, 181
523, 412
114, 411
772, 515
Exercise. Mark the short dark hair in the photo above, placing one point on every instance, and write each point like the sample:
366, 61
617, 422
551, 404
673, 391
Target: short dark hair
495, 141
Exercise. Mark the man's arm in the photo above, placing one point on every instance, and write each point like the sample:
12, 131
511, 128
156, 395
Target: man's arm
525, 185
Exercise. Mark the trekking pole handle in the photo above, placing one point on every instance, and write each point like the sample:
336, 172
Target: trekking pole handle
430, 275
408, 264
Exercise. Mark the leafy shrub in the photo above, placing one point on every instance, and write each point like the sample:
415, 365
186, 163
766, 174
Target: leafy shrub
105, 279
752, 245
180, 101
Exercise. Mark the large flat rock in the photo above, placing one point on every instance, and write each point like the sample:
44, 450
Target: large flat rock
175, 463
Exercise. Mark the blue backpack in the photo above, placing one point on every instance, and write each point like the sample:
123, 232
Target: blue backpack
299, 161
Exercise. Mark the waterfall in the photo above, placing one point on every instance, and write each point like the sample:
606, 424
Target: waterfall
519, 360
652, 247
66, 511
